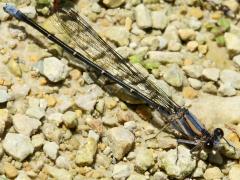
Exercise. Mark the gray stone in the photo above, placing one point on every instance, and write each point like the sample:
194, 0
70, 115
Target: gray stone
25, 125
18, 146
55, 118
130, 125
86, 154
121, 171
143, 17
226, 89
120, 141
199, 171
159, 175
51, 149
118, 34
159, 20
174, 76
166, 57
232, 77
162, 42
194, 24
20, 90
64, 102
51, 132
54, 69
35, 112
211, 74
63, 162
88, 100
110, 119
194, 71
4, 96
180, 168
196, 84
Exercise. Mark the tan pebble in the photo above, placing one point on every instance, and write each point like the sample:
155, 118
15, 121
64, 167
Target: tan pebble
51, 100
189, 92
128, 23
110, 103
192, 46
187, 62
78, 113
102, 146
104, 22
1, 82
216, 15
42, 81
14, 68
33, 58
196, 12
10, 170
203, 49
75, 74
213, 173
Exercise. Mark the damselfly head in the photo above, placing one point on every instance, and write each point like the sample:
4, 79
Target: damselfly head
218, 133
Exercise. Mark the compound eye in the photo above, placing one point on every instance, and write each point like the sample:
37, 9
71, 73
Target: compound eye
218, 133
209, 144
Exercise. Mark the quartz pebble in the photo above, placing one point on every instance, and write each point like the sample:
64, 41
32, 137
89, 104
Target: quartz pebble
120, 141
25, 125
196, 84
54, 69
187, 34
88, 100
194, 71
232, 77
18, 146
29, 11
63, 162
211, 74
136, 176
184, 166
121, 171
22, 175
236, 60
4, 96
174, 76
159, 20
226, 89
51, 149
143, 17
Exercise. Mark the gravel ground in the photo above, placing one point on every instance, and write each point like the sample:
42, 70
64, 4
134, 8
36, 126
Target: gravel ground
56, 122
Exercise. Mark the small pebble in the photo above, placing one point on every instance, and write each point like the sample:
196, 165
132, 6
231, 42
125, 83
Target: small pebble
51, 149
18, 146
211, 74
3, 96
174, 76
58, 173
144, 159
63, 162
196, 84
120, 141
143, 17
187, 34
226, 89
70, 119
113, 3
213, 173
121, 171
86, 154
10, 170
234, 172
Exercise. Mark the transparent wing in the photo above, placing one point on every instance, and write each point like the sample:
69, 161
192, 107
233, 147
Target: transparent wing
98, 51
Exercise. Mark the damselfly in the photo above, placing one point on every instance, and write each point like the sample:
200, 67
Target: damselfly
109, 63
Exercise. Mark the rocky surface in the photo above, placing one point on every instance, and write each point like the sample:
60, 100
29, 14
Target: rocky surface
59, 120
